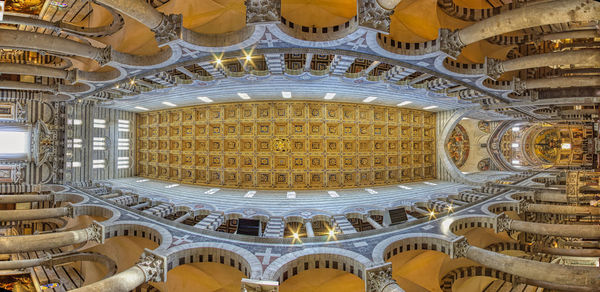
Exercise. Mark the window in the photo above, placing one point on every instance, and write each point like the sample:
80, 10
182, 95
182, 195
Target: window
13, 142
123, 162
123, 144
74, 143
74, 164
123, 126
99, 163
99, 123
99, 143
76, 122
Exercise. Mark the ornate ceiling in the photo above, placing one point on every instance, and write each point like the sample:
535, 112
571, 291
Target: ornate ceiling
287, 145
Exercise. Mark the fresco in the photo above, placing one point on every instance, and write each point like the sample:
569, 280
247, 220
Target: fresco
33, 7
458, 146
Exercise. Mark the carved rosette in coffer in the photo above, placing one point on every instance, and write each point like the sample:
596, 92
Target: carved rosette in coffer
287, 145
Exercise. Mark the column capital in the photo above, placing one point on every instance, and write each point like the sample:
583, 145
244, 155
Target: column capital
170, 29
379, 277
153, 265
450, 42
460, 247
252, 285
523, 206
518, 86
374, 17
263, 11
95, 232
502, 223
70, 209
493, 67
104, 56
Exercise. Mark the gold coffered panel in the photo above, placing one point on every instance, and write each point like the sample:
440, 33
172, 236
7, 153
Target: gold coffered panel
287, 145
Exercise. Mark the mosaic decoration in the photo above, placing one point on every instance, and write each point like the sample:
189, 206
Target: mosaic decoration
458, 146
484, 126
286, 145
20, 282
484, 164
33, 7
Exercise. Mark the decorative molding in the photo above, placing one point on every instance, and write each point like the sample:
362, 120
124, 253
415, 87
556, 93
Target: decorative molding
518, 86
263, 11
252, 285
374, 17
170, 29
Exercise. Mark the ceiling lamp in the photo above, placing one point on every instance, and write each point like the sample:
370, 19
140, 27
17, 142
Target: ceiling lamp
370, 99
430, 107
286, 94
329, 96
404, 103
205, 99
141, 108
243, 95
168, 103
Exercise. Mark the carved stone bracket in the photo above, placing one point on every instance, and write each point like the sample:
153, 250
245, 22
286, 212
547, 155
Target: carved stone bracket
372, 16
379, 277
263, 11
95, 232
493, 68
502, 223
460, 247
450, 43
104, 56
154, 266
170, 29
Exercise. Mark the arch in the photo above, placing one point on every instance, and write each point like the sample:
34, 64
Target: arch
224, 253
410, 241
108, 212
326, 257
468, 222
151, 231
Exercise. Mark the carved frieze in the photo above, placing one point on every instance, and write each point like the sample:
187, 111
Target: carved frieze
450, 43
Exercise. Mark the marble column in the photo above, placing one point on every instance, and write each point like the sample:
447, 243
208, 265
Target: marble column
183, 217
560, 209
150, 268
575, 34
588, 57
24, 243
309, 230
558, 82
534, 270
503, 223
10, 199
537, 14
35, 214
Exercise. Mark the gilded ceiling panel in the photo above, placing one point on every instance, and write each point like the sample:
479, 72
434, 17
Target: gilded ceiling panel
287, 145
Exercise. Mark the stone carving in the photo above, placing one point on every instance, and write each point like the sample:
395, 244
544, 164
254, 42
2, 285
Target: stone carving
72, 76
523, 206
21, 111
460, 248
104, 56
493, 68
263, 11
379, 279
518, 86
95, 232
17, 174
373, 16
152, 266
503, 223
70, 211
450, 43
169, 29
